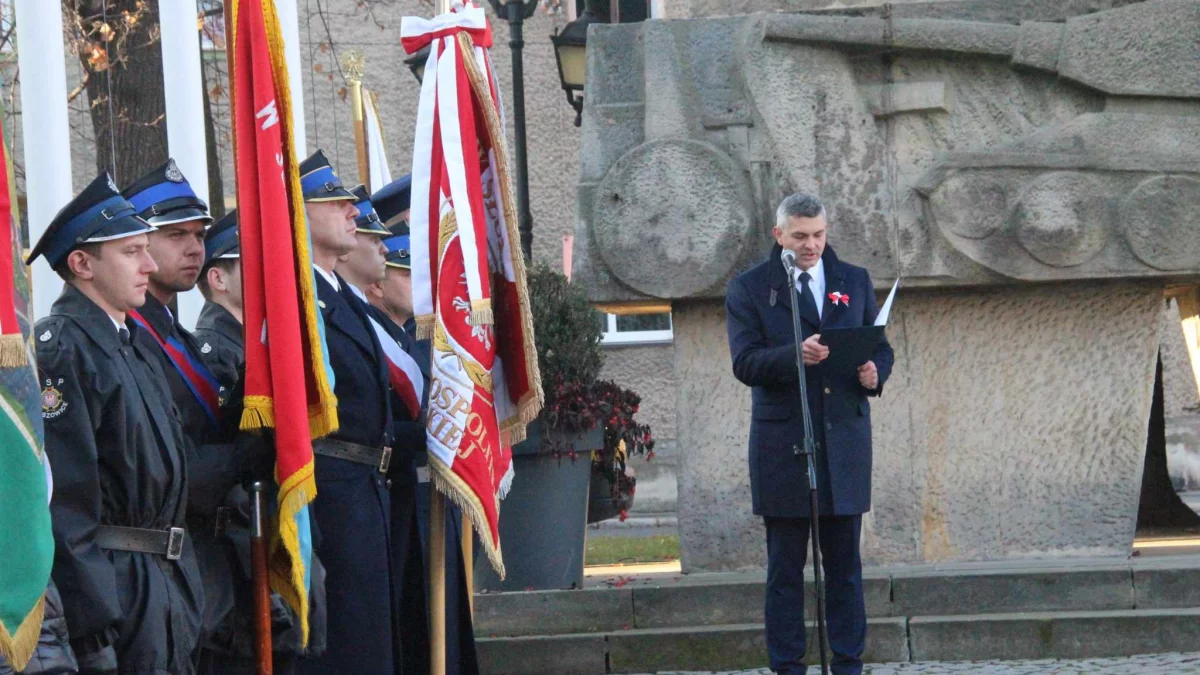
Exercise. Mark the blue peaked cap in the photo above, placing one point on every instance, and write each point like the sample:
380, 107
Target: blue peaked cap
222, 240
367, 220
320, 183
393, 199
97, 214
164, 197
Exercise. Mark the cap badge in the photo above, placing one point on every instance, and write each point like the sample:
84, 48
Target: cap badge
173, 173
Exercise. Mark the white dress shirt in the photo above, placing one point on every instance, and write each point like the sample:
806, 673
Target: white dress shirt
816, 284
330, 277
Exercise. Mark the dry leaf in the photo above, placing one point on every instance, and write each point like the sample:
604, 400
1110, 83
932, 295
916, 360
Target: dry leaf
319, 67
342, 93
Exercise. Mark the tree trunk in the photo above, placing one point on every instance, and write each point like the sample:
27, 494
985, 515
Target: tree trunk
216, 186
133, 120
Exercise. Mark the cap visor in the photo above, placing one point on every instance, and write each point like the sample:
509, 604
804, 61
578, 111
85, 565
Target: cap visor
338, 195
177, 216
399, 266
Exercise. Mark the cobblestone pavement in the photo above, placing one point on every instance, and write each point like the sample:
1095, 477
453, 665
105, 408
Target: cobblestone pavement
1149, 664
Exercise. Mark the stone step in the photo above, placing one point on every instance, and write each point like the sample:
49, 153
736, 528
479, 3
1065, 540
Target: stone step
730, 599
1043, 635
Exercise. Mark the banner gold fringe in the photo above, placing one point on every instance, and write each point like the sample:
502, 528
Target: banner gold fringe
294, 494
460, 493
17, 648
425, 324
13, 353
481, 313
528, 407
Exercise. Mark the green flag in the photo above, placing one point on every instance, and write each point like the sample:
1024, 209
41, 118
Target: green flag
25, 535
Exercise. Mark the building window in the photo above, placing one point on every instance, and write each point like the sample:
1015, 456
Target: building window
630, 11
635, 329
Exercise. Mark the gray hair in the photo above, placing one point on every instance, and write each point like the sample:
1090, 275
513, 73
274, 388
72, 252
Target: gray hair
798, 205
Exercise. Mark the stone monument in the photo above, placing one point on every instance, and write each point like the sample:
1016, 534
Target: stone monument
1030, 170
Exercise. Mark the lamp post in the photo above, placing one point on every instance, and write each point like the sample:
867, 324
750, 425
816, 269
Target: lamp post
516, 11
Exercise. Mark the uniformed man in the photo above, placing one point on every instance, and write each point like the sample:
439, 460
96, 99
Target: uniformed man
364, 268
123, 561
219, 332
353, 504
164, 199
219, 328
393, 297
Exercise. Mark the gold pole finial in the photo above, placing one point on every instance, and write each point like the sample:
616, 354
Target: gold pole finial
354, 62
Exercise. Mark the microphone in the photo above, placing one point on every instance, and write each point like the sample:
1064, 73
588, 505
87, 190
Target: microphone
789, 261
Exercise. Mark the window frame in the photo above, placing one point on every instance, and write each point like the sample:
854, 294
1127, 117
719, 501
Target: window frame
613, 337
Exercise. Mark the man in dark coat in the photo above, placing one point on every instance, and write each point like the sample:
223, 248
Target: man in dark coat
216, 466
761, 341
353, 504
123, 562
393, 297
219, 332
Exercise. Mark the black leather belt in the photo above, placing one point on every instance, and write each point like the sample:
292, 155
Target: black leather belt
380, 458
168, 543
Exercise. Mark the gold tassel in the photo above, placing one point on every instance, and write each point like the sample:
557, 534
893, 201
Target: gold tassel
258, 413
12, 351
18, 648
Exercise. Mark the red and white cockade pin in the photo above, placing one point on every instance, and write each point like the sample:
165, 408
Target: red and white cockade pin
836, 297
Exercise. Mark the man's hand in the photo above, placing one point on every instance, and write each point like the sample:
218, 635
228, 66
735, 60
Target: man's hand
814, 351
868, 375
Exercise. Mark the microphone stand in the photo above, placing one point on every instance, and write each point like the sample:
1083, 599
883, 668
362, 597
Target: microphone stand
808, 450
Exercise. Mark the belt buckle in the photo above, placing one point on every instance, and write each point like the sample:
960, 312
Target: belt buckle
385, 460
222, 520
175, 543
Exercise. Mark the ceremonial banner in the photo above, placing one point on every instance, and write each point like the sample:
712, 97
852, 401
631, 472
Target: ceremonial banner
289, 384
468, 275
25, 534
376, 149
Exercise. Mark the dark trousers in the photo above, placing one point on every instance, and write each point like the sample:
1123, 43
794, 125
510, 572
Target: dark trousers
846, 615
215, 663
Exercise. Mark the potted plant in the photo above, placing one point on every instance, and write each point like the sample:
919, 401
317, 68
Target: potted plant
543, 520
614, 482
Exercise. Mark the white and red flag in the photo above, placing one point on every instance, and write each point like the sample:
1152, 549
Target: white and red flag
469, 290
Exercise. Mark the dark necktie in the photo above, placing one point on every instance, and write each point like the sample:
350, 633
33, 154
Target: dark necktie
807, 297
124, 333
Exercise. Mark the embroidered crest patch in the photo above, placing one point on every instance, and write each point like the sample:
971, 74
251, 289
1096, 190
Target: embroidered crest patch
53, 404
206, 349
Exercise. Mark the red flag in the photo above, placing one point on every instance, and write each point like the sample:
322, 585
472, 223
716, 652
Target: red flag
287, 379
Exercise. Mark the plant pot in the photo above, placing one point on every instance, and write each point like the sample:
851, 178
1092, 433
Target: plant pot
543, 521
602, 505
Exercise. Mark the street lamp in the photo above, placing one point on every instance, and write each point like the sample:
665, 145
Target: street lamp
570, 50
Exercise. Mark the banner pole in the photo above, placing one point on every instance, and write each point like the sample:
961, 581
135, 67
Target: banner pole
437, 582
262, 591
354, 63
468, 553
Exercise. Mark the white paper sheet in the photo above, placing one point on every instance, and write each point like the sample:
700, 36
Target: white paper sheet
882, 318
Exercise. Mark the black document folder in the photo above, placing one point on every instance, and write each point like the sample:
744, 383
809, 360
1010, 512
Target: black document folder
849, 348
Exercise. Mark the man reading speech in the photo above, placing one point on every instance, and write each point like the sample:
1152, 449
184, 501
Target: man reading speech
762, 344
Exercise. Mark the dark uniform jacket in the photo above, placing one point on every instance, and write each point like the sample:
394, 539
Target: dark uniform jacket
762, 344
119, 459
353, 505
215, 467
220, 336
222, 345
